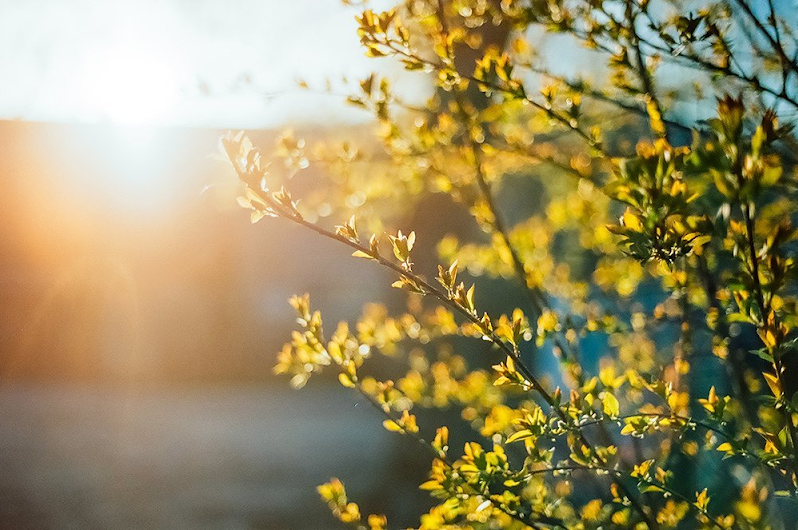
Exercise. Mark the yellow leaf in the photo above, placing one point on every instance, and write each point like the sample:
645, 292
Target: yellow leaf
408, 422
631, 221
610, 405
702, 499
377, 522
441, 441
628, 429
768, 337
519, 435
392, 426
773, 383
346, 380
607, 376
431, 485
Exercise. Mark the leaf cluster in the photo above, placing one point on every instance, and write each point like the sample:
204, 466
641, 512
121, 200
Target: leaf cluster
664, 247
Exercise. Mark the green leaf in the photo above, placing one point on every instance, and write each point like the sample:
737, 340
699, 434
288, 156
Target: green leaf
763, 354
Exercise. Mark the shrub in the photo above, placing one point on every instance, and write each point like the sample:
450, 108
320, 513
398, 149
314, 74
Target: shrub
657, 268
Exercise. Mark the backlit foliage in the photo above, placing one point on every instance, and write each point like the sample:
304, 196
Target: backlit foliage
659, 268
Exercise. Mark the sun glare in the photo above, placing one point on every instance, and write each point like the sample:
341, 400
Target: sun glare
133, 86
130, 84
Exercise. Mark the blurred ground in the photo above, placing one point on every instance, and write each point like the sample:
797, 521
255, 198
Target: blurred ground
79, 457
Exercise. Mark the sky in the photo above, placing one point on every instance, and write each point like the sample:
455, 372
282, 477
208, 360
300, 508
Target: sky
198, 63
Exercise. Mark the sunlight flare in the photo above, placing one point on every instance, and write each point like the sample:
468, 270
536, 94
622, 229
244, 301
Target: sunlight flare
132, 83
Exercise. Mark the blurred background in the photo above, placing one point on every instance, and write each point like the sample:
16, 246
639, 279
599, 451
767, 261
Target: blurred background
140, 311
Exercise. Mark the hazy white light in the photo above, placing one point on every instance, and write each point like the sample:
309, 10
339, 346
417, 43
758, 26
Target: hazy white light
130, 83
183, 62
